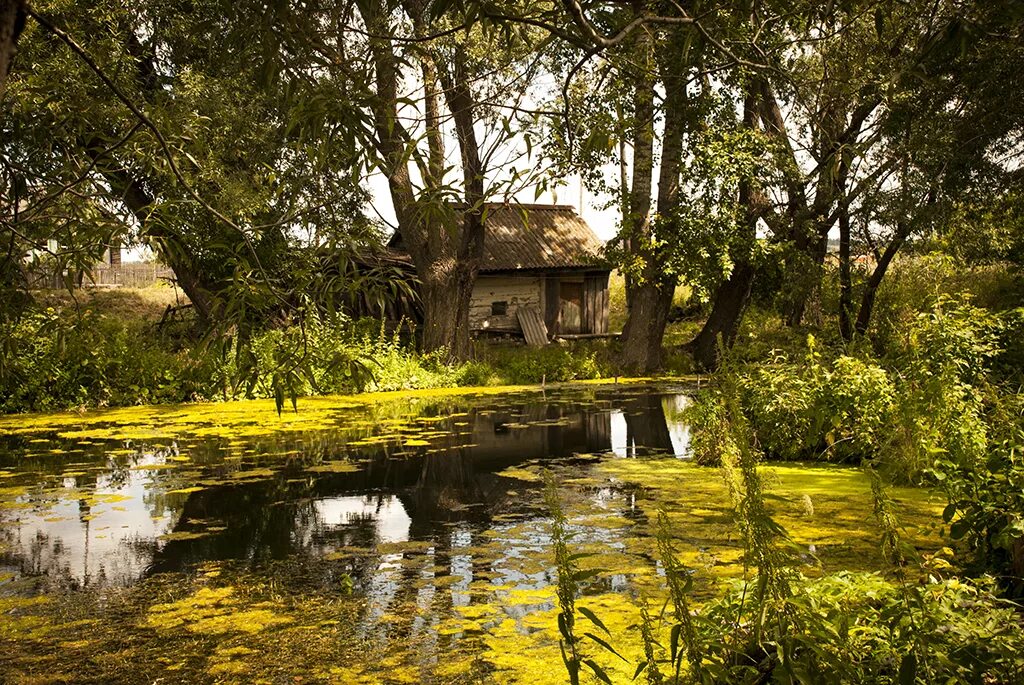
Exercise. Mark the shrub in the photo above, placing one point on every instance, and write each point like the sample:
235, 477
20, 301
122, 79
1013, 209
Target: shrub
56, 361
522, 365
857, 399
780, 402
860, 628
986, 508
336, 355
943, 373
711, 439
917, 283
836, 410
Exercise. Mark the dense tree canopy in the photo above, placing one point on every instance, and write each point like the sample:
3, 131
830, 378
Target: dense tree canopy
236, 139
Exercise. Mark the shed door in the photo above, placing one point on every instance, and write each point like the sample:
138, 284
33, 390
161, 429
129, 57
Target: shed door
571, 295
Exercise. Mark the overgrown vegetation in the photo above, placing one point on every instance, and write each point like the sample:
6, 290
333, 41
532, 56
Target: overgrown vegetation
928, 619
835, 232
113, 350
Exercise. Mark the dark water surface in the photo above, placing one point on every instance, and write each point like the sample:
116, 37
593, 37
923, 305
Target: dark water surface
380, 539
91, 512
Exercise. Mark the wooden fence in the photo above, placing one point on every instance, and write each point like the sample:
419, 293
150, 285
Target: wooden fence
124, 275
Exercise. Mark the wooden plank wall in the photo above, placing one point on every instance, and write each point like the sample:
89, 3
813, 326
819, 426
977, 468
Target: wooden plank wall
552, 304
595, 303
543, 293
517, 291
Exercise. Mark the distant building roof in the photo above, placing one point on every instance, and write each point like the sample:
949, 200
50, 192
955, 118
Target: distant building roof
535, 236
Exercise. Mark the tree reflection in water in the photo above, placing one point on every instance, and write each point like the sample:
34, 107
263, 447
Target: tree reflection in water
431, 486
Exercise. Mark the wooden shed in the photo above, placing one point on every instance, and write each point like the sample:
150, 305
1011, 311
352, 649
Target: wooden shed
543, 257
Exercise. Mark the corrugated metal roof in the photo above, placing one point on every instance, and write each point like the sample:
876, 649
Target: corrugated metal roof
529, 236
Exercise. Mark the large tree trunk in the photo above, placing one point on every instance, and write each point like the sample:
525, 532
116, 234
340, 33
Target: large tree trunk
447, 257
645, 328
445, 291
809, 271
470, 248
12, 21
733, 295
730, 302
651, 295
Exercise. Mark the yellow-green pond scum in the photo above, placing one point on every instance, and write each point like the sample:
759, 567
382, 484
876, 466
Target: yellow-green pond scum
393, 538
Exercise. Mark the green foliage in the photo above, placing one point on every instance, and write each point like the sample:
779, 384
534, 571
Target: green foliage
939, 421
567, 586
58, 360
555, 363
777, 625
860, 628
915, 284
987, 229
683, 643
924, 402
310, 358
835, 410
55, 358
114, 353
711, 441
570, 578
986, 498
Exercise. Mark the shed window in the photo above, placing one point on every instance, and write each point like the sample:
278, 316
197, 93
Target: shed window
499, 308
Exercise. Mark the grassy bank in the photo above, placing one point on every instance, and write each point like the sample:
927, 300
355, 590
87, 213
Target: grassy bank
120, 347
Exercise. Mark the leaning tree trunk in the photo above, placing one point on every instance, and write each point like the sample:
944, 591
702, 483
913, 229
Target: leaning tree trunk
867, 302
171, 249
731, 300
903, 230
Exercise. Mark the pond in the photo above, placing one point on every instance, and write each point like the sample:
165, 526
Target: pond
380, 538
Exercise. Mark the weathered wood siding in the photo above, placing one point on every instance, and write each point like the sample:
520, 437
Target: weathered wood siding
595, 303
515, 291
552, 305
125, 274
549, 294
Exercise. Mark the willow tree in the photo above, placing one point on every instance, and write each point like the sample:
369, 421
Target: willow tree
676, 83
170, 125
887, 120
648, 86
418, 79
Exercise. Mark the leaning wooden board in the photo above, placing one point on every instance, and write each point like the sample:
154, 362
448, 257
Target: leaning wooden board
534, 330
